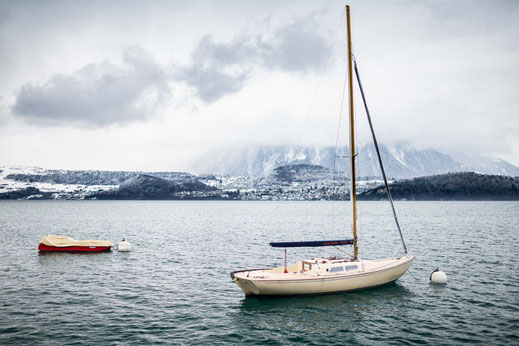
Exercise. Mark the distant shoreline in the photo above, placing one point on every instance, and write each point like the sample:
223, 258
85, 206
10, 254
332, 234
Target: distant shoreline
250, 200
289, 183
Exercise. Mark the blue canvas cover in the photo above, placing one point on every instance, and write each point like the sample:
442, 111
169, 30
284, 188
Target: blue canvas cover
313, 243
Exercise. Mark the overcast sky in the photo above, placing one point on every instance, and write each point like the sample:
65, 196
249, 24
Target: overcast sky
151, 85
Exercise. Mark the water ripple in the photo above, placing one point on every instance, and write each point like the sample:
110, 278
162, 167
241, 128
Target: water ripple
174, 287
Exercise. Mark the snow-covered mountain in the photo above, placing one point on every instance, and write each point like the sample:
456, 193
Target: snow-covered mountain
400, 161
487, 165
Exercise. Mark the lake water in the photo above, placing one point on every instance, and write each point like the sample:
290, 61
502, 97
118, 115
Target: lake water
174, 286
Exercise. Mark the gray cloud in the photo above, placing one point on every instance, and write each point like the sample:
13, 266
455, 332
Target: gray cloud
212, 84
104, 93
219, 69
297, 47
98, 94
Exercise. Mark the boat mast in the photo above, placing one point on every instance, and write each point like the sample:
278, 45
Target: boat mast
353, 189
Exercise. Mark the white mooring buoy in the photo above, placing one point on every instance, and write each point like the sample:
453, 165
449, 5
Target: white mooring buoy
438, 277
124, 246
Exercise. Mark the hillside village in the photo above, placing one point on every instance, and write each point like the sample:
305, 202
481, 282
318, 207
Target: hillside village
307, 183
301, 182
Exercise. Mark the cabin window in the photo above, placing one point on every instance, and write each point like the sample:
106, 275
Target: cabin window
351, 268
336, 269
307, 266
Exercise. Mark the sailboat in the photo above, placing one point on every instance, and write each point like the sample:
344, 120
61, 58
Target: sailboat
330, 275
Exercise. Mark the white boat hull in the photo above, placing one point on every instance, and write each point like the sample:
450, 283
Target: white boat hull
272, 282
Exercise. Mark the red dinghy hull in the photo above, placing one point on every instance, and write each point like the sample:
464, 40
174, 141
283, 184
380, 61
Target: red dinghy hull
43, 247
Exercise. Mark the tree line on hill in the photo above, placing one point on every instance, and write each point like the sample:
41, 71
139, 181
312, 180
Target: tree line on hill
451, 186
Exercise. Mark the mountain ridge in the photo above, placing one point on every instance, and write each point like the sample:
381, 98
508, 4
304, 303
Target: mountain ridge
400, 161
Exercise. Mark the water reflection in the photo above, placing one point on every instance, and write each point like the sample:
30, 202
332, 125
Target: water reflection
392, 290
338, 313
68, 258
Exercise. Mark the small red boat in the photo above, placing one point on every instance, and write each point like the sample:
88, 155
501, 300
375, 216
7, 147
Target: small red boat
63, 243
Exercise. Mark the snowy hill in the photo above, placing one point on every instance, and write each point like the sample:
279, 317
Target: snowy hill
400, 161
34, 182
147, 187
18, 178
